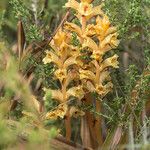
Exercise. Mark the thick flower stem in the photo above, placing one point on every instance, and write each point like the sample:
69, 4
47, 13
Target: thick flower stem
98, 119
87, 126
68, 126
85, 131
98, 124
83, 24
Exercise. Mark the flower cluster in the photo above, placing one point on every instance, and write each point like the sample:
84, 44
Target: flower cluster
85, 62
97, 38
63, 55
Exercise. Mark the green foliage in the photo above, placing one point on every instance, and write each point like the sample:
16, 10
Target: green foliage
132, 77
20, 10
2, 12
14, 126
8, 137
23, 13
129, 15
49, 103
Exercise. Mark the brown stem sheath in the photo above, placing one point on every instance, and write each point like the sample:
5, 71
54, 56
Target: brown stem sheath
68, 126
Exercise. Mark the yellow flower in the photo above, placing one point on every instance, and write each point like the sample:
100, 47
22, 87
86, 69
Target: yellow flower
73, 27
90, 30
103, 24
110, 40
61, 37
69, 61
90, 87
51, 115
98, 52
114, 42
84, 8
51, 57
97, 55
88, 1
72, 75
111, 61
72, 4
61, 74
75, 112
103, 90
88, 42
100, 89
76, 92
86, 74
74, 51
108, 88
104, 75
60, 111
103, 29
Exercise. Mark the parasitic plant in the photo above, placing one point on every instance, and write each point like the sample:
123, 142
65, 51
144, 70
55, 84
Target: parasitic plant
82, 69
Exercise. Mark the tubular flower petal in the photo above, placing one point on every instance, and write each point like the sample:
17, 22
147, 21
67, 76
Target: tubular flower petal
90, 86
72, 75
51, 115
61, 74
88, 42
61, 38
114, 42
100, 89
84, 8
86, 74
96, 64
72, 4
97, 51
97, 55
88, 11
75, 112
74, 51
110, 40
90, 30
76, 92
51, 57
88, 1
59, 112
108, 87
97, 11
63, 51
111, 30
105, 75
70, 61
102, 24
111, 61
103, 90
73, 27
